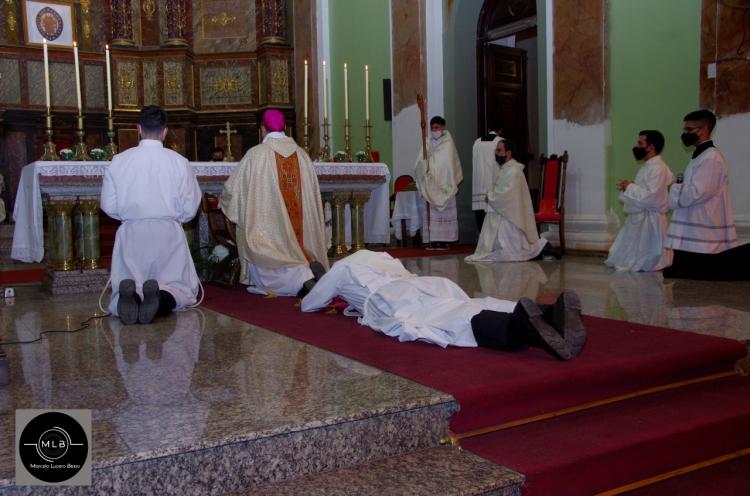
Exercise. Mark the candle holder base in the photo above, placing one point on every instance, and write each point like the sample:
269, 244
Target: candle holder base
306, 137
50, 152
347, 141
80, 150
368, 142
110, 150
325, 152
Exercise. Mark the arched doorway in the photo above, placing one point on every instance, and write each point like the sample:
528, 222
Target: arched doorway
507, 82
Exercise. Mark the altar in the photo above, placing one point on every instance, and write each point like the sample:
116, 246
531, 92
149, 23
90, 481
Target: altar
357, 195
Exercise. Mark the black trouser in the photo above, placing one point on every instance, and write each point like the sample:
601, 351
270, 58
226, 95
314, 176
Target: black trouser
499, 331
167, 303
729, 265
479, 217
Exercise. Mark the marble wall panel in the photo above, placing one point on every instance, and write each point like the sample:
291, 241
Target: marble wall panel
279, 80
224, 26
10, 84
126, 85
62, 83
579, 63
150, 83
229, 84
95, 97
409, 64
306, 48
174, 83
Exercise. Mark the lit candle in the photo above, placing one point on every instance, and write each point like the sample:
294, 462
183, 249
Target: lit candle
305, 123
78, 77
109, 79
325, 92
346, 92
46, 76
367, 93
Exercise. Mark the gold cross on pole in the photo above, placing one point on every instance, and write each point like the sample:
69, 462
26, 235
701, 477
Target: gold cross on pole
229, 132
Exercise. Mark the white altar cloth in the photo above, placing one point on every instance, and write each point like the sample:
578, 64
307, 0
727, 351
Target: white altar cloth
69, 178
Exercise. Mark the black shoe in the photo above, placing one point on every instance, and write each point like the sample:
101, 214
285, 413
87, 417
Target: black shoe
317, 269
127, 304
306, 288
541, 334
150, 304
566, 317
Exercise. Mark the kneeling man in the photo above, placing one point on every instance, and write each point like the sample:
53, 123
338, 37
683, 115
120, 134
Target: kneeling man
509, 232
274, 198
392, 300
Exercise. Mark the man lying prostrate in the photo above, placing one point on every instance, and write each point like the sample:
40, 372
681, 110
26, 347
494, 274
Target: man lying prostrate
392, 300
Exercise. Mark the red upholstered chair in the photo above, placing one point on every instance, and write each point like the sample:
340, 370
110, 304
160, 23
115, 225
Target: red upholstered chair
552, 199
402, 183
224, 232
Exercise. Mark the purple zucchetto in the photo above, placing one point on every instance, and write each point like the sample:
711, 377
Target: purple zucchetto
273, 120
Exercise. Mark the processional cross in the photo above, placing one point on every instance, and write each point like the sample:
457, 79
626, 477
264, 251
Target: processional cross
229, 132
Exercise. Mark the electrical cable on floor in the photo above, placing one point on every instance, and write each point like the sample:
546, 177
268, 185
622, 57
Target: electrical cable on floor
83, 325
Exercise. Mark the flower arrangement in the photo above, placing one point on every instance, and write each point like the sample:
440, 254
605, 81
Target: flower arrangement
361, 156
66, 154
339, 156
97, 154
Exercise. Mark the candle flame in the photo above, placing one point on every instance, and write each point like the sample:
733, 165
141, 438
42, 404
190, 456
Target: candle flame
106, 47
305, 61
344, 65
75, 44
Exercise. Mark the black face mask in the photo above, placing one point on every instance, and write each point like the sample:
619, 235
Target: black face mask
500, 159
689, 139
639, 152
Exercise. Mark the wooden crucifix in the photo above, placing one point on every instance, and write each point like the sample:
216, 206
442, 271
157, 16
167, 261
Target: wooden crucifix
229, 132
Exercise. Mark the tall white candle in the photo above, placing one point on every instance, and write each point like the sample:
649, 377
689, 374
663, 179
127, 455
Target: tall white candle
109, 79
367, 93
78, 77
305, 91
46, 75
325, 92
346, 92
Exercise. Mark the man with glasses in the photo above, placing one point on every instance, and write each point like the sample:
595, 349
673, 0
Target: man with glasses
702, 232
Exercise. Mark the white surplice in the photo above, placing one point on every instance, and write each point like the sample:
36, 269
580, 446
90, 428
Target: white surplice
437, 180
400, 304
484, 170
509, 231
639, 246
272, 258
703, 220
152, 190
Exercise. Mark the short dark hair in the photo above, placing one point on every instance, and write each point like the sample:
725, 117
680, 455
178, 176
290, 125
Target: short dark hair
437, 120
509, 146
654, 138
153, 119
705, 117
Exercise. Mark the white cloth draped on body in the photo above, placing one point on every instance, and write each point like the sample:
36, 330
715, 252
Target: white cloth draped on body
152, 190
437, 181
400, 304
509, 231
2, 203
639, 246
272, 259
703, 220
484, 170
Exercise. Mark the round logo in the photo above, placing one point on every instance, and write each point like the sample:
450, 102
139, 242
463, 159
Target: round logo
49, 23
53, 447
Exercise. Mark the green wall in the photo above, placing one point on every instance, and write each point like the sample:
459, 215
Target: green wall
360, 34
654, 80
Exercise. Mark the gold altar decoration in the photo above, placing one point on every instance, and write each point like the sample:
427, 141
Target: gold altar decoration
228, 131
149, 8
223, 19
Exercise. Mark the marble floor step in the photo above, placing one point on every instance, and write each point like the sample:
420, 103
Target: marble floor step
430, 472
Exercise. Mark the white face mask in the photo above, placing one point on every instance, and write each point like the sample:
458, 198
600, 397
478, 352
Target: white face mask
436, 135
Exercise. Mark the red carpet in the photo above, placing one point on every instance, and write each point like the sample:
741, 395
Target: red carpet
494, 387
419, 251
21, 276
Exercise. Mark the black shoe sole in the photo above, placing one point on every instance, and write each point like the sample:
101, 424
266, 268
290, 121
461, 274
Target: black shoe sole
127, 306
551, 340
567, 319
150, 305
317, 269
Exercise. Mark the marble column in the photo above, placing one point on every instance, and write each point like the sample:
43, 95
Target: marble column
60, 252
177, 23
357, 206
271, 21
122, 23
339, 200
88, 208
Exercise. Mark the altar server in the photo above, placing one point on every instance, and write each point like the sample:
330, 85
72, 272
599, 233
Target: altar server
152, 190
702, 231
437, 181
390, 299
484, 170
639, 246
509, 232
274, 198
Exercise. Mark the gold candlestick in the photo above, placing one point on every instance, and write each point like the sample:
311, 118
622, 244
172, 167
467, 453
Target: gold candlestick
50, 152
325, 152
306, 136
111, 149
80, 150
347, 141
368, 141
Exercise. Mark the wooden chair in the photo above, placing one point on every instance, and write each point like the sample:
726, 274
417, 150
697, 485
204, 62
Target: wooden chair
402, 183
224, 232
552, 200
